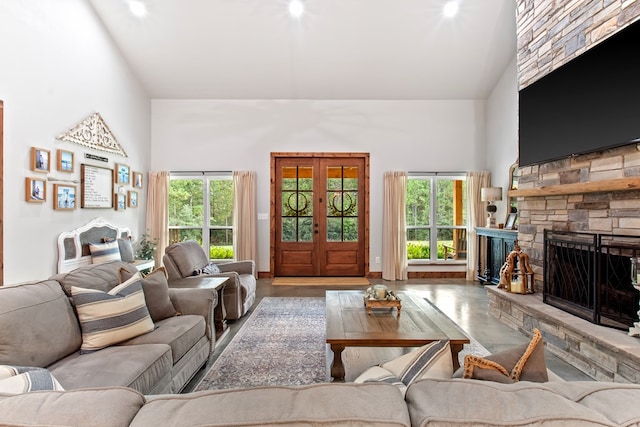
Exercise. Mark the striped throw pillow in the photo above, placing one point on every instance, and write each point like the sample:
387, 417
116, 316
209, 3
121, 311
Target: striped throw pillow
23, 379
107, 318
104, 252
432, 360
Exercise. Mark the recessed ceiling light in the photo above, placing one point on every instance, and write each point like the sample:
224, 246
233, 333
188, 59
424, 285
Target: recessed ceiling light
450, 9
138, 8
296, 8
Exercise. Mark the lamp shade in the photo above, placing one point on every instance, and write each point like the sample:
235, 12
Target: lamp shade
490, 194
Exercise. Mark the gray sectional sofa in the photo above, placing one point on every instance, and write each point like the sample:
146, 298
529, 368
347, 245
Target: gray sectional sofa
428, 402
39, 327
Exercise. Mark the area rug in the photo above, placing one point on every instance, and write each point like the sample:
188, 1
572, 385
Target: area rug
322, 281
281, 343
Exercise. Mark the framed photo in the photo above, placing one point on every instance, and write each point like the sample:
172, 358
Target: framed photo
65, 161
137, 179
40, 160
121, 201
132, 199
122, 174
96, 186
35, 190
64, 197
512, 222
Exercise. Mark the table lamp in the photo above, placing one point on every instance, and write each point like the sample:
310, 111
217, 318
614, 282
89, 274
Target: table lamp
491, 194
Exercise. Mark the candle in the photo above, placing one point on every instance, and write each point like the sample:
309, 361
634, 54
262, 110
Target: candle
517, 285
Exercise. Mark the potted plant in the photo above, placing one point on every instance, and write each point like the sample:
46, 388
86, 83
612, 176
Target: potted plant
146, 248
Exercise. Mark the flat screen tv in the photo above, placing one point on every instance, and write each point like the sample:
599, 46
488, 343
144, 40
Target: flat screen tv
589, 104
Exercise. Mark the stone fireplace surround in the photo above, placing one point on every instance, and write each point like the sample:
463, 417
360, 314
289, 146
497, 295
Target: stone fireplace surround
596, 193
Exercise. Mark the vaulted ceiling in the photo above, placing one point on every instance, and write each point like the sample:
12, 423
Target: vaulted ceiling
339, 49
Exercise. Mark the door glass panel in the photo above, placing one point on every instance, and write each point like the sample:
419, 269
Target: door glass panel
342, 204
297, 204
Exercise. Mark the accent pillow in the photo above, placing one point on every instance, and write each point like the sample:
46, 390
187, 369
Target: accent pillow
107, 318
126, 250
156, 293
432, 360
23, 379
521, 363
104, 252
210, 268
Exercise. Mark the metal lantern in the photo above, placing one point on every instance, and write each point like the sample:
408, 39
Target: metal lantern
516, 274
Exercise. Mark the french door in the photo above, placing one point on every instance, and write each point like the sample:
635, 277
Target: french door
320, 215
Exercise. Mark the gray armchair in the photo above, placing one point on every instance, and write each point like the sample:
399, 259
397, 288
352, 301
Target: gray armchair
182, 259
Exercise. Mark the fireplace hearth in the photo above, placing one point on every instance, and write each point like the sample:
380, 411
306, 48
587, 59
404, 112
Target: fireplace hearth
589, 276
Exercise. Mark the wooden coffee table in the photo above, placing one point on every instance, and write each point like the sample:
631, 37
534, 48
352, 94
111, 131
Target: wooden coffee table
349, 325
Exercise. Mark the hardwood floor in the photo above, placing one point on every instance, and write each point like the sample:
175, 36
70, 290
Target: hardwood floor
464, 302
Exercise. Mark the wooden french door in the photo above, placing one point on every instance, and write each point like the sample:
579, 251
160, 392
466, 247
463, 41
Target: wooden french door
320, 215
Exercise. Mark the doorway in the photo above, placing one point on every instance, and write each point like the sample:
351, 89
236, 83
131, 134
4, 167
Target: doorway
319, 214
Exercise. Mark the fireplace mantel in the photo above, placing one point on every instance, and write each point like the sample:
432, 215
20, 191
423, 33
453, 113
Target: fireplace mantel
620, 184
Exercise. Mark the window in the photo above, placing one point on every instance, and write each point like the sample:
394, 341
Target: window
201, 208
436, 217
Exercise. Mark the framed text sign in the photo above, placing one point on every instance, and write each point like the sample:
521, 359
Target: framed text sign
97, 187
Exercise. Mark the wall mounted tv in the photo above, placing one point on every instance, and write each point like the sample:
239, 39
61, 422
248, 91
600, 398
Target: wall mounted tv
591, 103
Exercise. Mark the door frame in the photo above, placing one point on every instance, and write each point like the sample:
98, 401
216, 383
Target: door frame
272, 200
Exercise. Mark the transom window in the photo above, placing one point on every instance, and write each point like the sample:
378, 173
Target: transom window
201, 208
436, 217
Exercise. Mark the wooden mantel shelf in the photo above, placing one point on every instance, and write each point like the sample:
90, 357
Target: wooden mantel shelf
621, 184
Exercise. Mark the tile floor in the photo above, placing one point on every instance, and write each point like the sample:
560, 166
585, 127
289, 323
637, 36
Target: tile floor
463, 301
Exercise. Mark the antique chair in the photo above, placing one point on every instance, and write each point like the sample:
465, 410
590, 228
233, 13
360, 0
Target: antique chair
186, 260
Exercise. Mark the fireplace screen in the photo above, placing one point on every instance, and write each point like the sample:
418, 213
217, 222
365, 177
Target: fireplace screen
589, 275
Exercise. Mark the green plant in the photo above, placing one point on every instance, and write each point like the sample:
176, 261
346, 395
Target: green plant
146, 248
221, 252
418, 250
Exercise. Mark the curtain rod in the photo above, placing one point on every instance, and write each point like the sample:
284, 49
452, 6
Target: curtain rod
435, 173
197, 172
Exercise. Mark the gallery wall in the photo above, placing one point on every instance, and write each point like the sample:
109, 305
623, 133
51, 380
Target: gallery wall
57, 67
227, 135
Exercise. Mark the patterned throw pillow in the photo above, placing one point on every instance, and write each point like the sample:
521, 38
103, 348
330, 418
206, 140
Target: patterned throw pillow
521, 363
22, 379
156, 292
107, 318
104, 252
432, 360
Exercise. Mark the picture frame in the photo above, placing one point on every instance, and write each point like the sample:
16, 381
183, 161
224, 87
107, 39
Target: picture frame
137, 179
96, 187
122, 175
65, 161
132, 199
511, 223
120, 201
40, 160
35, 190
64, 197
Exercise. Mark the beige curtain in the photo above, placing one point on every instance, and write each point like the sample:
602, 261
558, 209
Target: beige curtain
158, 212
244, 215
394, 237
476, 217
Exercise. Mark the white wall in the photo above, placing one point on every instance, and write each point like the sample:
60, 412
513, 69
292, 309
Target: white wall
502, 132
58, 66
219, 135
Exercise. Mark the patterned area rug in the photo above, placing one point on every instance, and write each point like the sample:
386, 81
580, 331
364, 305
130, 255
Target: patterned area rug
281, 343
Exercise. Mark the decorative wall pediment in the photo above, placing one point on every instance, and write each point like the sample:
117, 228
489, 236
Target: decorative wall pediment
94, 133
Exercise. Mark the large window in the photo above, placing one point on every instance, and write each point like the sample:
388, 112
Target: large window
201, 208
436, 217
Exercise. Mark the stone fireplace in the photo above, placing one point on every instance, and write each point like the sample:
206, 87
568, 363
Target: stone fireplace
596, 193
